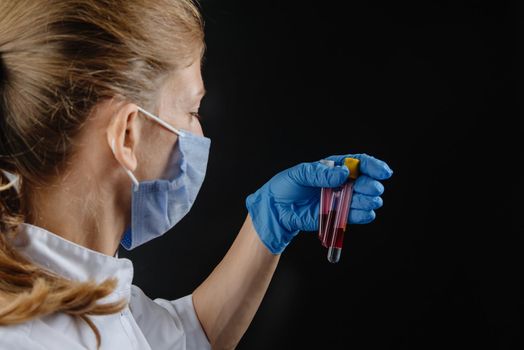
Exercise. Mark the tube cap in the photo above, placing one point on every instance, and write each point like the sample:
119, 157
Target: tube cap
353, 166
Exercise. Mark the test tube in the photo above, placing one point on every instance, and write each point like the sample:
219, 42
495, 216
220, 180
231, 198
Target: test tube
333, 202
337, 234
325, 206
334, 211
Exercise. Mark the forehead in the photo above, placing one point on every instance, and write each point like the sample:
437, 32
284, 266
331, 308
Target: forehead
187, 82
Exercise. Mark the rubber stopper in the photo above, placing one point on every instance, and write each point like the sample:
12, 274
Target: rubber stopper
352, 164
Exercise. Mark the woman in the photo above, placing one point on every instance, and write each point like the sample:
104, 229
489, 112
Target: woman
101, 145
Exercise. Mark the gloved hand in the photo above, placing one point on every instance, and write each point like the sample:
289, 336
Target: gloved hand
289, 202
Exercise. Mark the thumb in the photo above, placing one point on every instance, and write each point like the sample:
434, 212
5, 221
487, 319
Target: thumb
336, 176
316, 174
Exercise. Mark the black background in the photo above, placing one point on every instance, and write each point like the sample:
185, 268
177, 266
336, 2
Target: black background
428, 87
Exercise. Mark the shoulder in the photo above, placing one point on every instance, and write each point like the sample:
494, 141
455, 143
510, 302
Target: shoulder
40, 334
143, 306
140, 304
18, 337
173, 321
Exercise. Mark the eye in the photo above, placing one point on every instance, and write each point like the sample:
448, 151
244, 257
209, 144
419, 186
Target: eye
196, 115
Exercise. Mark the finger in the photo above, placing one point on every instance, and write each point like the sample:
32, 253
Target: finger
369, 165
363, 202
368, 186
316, 174
357, 216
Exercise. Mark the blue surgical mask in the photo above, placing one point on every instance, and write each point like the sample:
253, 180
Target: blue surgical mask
158, 205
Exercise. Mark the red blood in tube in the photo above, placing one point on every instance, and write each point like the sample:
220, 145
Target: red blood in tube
325, 202
322, 231
328, 233
339, 240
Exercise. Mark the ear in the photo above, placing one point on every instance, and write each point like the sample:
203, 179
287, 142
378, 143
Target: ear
123, 132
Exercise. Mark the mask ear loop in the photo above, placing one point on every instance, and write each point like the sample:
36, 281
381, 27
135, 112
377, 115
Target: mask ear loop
161, 122
129, 173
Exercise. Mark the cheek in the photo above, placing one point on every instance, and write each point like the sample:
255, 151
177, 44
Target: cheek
154, 153
196, 128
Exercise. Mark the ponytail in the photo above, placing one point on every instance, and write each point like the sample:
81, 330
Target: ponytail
28, 291
58, 60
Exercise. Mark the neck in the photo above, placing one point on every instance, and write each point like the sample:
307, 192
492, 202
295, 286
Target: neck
81, 212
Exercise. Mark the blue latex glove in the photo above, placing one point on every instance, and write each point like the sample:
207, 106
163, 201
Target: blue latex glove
289, 202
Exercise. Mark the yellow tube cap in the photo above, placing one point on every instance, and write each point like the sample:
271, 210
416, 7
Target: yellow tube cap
352, 164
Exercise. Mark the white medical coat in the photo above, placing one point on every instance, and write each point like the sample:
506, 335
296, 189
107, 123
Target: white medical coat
145, 324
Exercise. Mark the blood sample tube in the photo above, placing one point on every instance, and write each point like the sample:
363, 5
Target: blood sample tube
343, 207
325, 206
334, 211
333, 203
337, 234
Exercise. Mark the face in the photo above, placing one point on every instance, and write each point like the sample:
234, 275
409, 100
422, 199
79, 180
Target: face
178, 105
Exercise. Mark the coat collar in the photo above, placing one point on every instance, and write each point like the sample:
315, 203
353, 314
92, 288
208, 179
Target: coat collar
73, 261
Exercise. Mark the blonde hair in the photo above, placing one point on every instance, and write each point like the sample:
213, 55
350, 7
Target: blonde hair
58, 60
